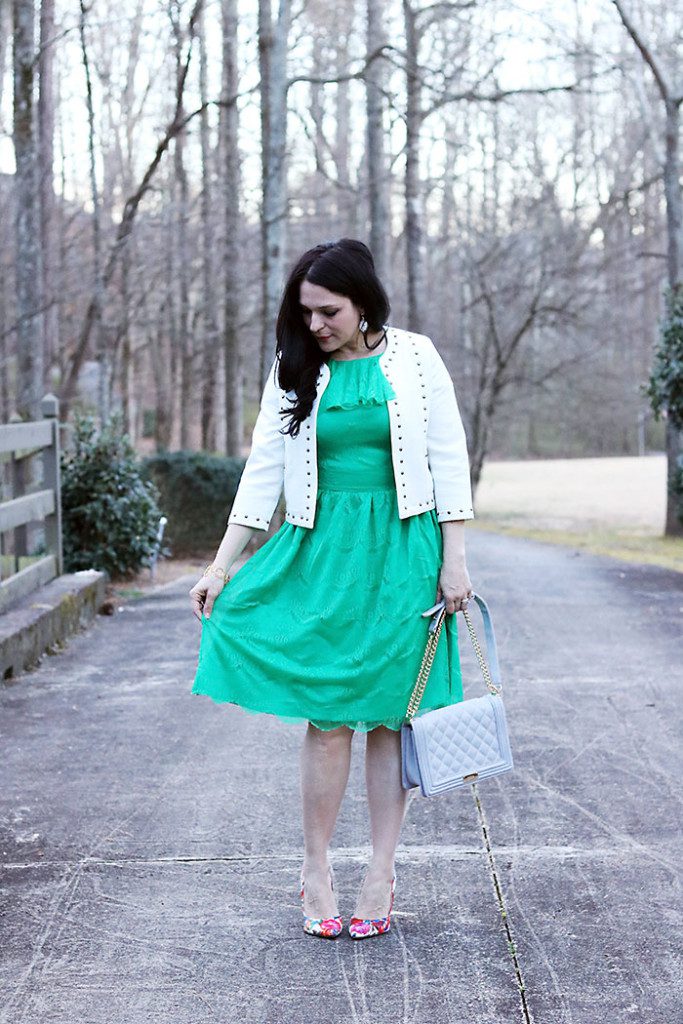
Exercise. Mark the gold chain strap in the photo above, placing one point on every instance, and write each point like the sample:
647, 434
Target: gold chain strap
428, 658
425, 668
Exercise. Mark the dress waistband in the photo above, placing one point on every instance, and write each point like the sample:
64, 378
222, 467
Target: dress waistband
365, 471
365, 488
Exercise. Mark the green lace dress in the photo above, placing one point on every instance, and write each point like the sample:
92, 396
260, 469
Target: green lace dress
324, 624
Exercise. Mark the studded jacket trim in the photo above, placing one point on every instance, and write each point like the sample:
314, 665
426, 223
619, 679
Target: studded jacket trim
428, 444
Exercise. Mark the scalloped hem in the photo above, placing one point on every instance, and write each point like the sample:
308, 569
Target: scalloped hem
326, 726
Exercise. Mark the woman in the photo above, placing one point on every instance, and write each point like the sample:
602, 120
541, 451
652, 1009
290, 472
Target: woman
323, 624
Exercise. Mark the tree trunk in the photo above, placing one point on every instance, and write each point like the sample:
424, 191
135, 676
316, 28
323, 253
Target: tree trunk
130, 409
30, 367
674, 221
230, 159
98, 286
378, 179
186, 381
317, 192
61, 243
346, 205
163, 381
672, 189
5, 396
208, 333
5, 31
273, 67
46, 131
164, 346
413, 198
444, 265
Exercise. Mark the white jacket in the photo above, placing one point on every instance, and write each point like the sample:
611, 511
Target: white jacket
428, 445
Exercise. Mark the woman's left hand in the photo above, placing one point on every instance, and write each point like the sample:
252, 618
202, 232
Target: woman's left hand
454, 585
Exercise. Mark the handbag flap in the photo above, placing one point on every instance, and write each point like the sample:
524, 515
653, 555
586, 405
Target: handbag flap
470, 736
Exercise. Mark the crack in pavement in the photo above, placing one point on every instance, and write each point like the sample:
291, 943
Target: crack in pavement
413, 855
512, 948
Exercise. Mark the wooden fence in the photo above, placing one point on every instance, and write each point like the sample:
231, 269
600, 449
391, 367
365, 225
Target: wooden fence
21, 571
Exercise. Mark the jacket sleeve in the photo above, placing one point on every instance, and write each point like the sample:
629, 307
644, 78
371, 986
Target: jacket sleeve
262, 478
447, 446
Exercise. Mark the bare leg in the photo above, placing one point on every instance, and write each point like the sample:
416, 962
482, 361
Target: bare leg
387, 802
325, 764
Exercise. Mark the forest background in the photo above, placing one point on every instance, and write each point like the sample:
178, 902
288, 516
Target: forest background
513, 167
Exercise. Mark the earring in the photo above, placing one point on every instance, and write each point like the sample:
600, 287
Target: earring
363, 325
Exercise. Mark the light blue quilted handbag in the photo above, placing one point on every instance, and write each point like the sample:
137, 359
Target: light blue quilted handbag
461, 743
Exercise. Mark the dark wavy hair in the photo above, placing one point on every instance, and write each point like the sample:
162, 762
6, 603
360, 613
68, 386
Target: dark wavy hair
346, 268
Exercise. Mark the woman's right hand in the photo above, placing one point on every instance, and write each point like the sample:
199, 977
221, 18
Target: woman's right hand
204, 593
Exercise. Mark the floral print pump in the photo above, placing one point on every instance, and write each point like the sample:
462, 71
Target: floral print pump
323, 927
365, 928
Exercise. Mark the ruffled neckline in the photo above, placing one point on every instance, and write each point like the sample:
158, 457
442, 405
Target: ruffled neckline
356, 382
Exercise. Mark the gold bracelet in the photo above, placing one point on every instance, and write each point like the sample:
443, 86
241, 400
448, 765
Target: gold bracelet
215, 570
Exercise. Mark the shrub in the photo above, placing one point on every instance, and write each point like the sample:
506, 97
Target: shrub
110, 513
665, 386
677, 485
197, 491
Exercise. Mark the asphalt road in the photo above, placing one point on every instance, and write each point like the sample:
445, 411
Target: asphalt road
150, 840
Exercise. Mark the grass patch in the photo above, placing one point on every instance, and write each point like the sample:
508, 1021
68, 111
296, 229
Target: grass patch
624, 545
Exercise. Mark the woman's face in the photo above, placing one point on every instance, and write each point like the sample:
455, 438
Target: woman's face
332, 319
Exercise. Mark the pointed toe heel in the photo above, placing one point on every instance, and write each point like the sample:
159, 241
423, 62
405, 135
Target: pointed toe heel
322, 927
365, 928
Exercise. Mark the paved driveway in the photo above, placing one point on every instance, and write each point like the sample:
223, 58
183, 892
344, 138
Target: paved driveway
151, 840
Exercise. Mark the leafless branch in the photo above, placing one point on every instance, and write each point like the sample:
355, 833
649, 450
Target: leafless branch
130, 210
330, 80
647, 54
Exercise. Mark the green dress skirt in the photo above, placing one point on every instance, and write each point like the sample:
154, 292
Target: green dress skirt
324, 624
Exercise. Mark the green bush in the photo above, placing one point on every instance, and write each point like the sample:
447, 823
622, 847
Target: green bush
110, 513
677, 485
197, 491
665, 386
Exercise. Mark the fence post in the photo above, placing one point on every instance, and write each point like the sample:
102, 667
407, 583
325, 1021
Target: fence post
18, 484
51, 479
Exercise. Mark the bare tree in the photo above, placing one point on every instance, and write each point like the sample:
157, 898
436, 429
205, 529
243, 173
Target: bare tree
208, 346
273, 36
672, 96
318, 194
130, 211
163, 350
28, 274
46, 131
181, 189
5, 31
378, 181
102, 353
520, 286
230, 177
416, 22
413, 194
125, 138
347, 207
484, 199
